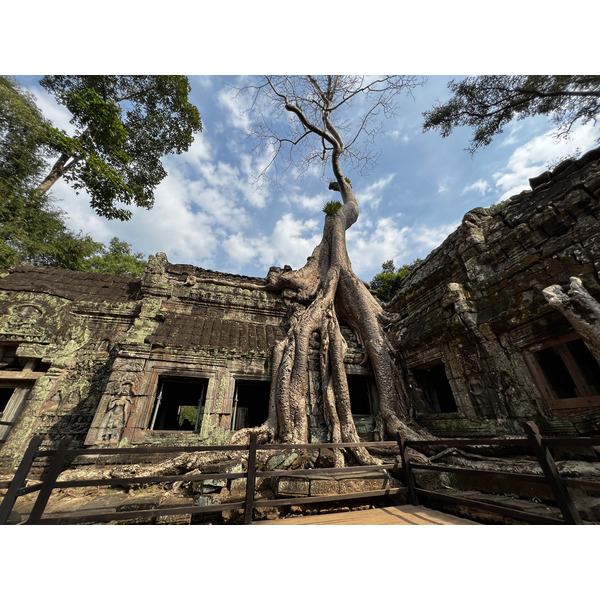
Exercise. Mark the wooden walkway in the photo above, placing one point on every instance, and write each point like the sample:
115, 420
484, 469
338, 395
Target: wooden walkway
391, 515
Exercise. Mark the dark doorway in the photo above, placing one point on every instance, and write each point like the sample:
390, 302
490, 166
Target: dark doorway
361, 397
250, 404
179, 404
556, 372
435, 394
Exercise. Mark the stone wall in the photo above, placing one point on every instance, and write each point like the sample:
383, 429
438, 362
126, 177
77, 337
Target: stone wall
475, 310
88, 355
513, 290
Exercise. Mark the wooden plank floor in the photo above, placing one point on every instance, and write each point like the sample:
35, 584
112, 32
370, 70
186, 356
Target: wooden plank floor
391, 515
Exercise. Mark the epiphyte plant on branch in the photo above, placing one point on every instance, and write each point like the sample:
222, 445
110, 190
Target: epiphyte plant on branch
331, 120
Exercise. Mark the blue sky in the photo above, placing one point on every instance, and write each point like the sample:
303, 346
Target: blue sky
210, 213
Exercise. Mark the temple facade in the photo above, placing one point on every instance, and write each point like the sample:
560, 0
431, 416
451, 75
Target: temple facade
498, 325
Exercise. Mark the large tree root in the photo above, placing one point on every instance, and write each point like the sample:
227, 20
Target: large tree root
322, 294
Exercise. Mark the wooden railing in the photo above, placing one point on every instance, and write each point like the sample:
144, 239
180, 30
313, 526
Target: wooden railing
541, 448
64, 455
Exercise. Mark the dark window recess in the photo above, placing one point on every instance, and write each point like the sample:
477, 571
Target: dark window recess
361, 401
570, 370
556, 372
8, 358
590, 369
179, 405
435, 392
5, 395
250, 404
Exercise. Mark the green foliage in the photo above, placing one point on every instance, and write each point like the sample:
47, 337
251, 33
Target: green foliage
332, 208
385, 285
487, 103
22, 132
116, 259
498, 206
124, 125
32, 231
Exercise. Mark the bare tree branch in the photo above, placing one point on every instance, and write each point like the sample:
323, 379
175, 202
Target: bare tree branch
343, 114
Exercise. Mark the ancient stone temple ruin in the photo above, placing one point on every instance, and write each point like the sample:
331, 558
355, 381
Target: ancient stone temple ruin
499, 325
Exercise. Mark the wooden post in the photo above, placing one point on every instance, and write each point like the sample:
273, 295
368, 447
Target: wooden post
250, 479
409, 477
12, 493
48, 485
561, 493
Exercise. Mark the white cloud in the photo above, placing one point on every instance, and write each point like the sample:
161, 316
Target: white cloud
313, 203
197, 154
425, 239
513, 130
398, 134
237, 113
370, 244
291, 242
481, 186
530, 159
372, 195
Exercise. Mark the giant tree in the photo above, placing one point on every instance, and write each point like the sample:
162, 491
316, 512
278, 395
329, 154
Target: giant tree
124, 126
324, 120
489, 102
31, 230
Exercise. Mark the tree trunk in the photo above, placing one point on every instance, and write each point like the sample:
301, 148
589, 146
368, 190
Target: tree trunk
321, 294
60, 167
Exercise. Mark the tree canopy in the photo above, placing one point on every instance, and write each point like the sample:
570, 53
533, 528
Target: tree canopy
385, 285
32, 231
117, 259
22, 133
488, 102
124, 126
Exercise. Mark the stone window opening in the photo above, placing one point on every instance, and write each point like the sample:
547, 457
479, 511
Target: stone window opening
17, 376
434, 394
179, 404
250, 406
5, 395
10, 361
566, 373
363, 404
8, 358
12, 398
360, 388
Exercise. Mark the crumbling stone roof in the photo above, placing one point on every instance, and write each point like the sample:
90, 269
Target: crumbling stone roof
72, 285
216, 333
